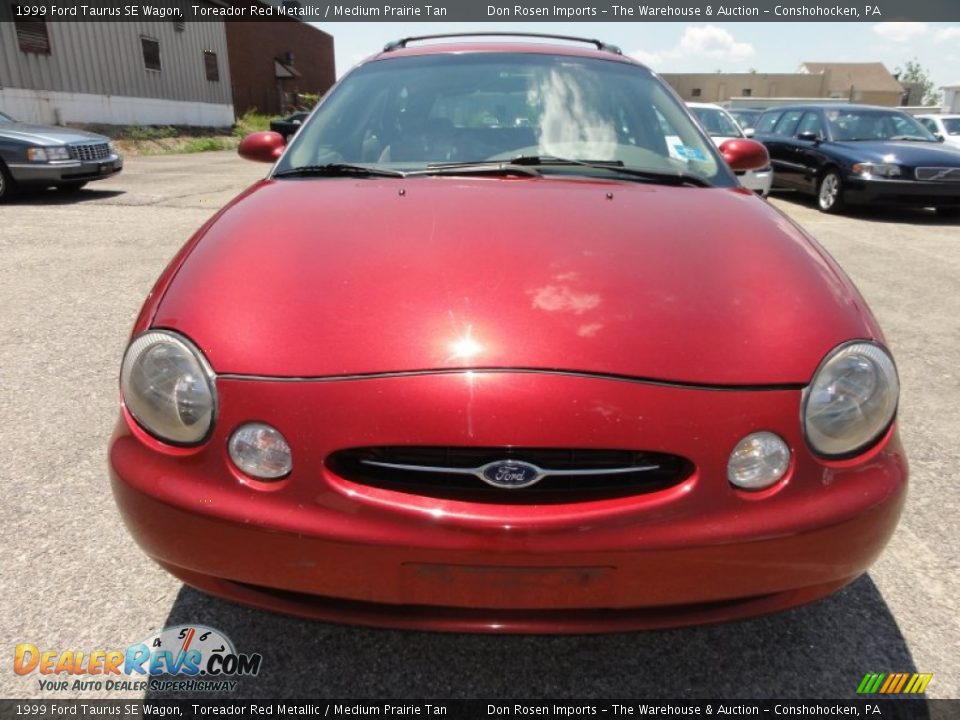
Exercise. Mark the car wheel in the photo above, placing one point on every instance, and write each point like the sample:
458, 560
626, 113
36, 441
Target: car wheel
949, 212
71, 186
830, 192
7, 186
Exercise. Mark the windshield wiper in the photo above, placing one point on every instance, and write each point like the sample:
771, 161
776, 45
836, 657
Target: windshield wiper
338, 170
483, 167
910, 138
616, 166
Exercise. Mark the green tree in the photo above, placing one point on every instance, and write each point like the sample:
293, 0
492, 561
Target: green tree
913, 72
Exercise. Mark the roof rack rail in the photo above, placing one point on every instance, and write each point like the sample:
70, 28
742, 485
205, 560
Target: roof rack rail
599, 44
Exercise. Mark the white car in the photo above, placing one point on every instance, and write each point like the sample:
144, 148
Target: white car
946, 126
721, 126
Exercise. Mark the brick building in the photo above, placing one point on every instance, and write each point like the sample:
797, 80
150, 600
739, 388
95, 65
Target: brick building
271, 62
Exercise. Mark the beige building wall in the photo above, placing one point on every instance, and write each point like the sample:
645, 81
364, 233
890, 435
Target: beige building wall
877, 97
718, 87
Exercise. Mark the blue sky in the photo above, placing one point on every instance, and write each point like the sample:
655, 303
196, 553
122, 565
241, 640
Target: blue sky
706, 47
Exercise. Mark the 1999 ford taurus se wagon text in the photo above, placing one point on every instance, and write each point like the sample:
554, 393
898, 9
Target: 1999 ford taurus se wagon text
501, 345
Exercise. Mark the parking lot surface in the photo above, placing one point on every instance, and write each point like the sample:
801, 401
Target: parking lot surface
75, 270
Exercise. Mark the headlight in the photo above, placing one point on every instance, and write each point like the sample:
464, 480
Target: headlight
851, 401
168, 387
47, 154
884, 170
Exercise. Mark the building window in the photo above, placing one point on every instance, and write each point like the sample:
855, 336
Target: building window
695, 92
747, 92
210, 63
151, 53
32, 35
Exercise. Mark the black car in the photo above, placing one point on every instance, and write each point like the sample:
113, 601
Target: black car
289, 125
860, 154
47, 156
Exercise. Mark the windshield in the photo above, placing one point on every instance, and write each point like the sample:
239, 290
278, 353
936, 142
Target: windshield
716, 122
408, 113
951, 125
875, 125
746, 118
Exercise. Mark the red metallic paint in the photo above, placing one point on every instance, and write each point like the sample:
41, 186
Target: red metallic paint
264, 146
342, 276
744, 154
668, 552
489, 286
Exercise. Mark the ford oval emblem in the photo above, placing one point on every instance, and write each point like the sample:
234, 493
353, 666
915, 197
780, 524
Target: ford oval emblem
511, 474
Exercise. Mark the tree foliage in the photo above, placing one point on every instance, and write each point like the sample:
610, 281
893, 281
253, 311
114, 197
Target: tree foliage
913, 72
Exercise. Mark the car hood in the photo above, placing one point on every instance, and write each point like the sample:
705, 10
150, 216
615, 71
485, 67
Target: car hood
905, 153
47, 135
328, 277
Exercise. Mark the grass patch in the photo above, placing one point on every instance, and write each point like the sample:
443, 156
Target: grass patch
171, 139
250, 122
208, 144
149, 132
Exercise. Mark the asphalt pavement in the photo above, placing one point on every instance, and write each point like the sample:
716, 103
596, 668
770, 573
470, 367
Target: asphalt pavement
75, 270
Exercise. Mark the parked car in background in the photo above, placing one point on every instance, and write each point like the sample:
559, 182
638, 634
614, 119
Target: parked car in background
721, 126
444, 370
946, 126
46, 156
289, 125
860, 154
746, 118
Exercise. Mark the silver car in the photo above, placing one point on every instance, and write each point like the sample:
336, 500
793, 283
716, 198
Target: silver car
946, 126
43, 156
720, 126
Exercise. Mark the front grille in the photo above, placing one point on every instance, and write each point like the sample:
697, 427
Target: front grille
90, 151
568, 475
939, 174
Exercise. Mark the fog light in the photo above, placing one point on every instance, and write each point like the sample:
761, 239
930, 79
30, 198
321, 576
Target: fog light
260, 451
758, 461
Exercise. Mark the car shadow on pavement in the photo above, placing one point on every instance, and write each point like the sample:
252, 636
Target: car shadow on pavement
61, 197
879, 214
819, 651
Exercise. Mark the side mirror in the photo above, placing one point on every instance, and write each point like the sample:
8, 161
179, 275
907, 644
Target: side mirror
809, 136
940, 138
749, 132
265, 146
745, 154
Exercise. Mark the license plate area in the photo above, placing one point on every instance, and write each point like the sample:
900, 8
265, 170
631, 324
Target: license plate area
517, 587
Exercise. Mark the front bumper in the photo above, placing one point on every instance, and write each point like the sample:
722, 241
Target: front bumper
760, 181
58, 172
320, 546
914, 193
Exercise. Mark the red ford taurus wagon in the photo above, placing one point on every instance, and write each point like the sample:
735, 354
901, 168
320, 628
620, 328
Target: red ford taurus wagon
500, 345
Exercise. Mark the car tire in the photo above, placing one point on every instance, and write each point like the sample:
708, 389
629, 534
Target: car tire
71, 186
949, 212
8, 188
830, 192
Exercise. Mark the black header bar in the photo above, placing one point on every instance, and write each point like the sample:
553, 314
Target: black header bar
533, 11
873, 707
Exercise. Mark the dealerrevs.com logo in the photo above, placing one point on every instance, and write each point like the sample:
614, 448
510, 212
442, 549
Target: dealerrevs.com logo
191, 658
